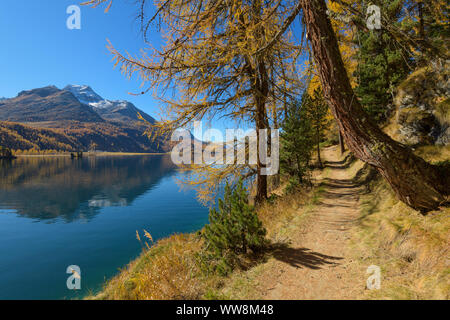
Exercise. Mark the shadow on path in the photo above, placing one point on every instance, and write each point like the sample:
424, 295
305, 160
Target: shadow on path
342, 164
303, 257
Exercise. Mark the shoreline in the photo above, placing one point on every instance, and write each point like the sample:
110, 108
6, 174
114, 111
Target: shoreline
99, 154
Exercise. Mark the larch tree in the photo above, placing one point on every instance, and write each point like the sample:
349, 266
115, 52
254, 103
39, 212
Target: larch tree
417, 183
346, 34
219, 37
426, 22
215, 59
421, 28
381, 60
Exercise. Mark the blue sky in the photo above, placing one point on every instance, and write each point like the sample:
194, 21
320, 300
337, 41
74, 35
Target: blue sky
39, 50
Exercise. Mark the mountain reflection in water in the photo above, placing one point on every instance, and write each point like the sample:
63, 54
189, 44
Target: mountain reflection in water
47, 188
56, 212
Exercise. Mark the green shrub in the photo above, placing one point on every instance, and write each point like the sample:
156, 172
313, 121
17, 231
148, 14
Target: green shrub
297, 142
234, 230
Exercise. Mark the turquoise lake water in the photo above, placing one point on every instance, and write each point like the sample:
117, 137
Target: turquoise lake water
56, 212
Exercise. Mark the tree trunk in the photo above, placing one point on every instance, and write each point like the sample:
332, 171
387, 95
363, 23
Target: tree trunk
415, 182
261, 93
260, 88
244, 241
319, 160
261, 180
341, 143
421, 22
261, 187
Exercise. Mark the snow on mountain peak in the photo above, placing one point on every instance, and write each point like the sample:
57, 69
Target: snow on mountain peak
84, 93
121, 110
103, 104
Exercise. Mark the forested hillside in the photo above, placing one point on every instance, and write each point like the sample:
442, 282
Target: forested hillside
75, 136
76, 118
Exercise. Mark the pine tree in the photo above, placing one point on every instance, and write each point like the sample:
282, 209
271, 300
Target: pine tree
317, 110
297, 142
426, 22
233, 230
382, 63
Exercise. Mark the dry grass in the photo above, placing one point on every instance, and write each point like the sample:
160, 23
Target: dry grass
283, 217
434, 154
412, 250
442, 112
277, 215
167, 270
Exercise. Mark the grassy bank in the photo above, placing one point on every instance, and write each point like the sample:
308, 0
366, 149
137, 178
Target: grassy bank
412, 250
168, 270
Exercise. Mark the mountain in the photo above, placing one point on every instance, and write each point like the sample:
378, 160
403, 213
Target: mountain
46, 104
111, 110
74, 118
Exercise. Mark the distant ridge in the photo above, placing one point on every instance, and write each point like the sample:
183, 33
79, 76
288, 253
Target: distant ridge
73, 118
46, 104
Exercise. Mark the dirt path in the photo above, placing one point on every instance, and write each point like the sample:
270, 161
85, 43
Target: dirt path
316, 265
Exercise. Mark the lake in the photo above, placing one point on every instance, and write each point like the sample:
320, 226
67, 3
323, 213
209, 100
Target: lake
56, 212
